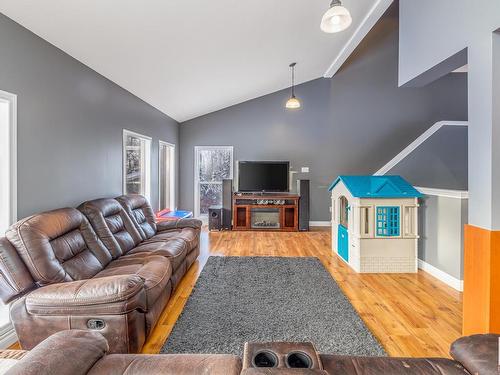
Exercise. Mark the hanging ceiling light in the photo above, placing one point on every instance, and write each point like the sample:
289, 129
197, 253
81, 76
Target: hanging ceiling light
336, 19
293, 102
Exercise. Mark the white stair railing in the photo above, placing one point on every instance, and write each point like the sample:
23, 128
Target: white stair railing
416, 143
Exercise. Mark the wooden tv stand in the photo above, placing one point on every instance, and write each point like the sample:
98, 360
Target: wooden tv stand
266, 211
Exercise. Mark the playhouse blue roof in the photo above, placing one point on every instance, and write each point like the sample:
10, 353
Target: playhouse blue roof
377, 187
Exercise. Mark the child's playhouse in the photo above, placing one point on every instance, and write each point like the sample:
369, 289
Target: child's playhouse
375, 223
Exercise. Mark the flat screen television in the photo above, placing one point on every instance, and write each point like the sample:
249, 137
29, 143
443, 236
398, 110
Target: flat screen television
263, 176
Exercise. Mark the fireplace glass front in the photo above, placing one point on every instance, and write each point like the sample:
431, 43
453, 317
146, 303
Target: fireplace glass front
265, 218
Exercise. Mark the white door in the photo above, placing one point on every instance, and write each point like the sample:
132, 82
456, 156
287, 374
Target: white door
166, 176
212, 165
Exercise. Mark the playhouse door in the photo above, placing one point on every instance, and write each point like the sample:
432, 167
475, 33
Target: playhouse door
343, 243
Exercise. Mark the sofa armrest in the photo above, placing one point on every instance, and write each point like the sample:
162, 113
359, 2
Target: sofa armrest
105, 295
479, 354
178, 224
72, 352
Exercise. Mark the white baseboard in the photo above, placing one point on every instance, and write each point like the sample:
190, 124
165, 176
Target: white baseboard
441, 275
320, 223
7, 337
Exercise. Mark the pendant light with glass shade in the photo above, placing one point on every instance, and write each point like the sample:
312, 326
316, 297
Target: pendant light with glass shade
293, 102
336, 19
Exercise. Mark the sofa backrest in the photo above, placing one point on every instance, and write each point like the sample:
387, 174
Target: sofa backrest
141, 213
15, 279
58, 246
112, 224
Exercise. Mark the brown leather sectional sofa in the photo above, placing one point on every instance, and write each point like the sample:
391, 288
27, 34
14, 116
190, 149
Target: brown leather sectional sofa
476, 354
106, 266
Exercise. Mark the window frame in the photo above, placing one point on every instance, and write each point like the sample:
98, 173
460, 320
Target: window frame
11, 99
172, 175
388, 221
197, 175
147, 176
344, 211
7, 333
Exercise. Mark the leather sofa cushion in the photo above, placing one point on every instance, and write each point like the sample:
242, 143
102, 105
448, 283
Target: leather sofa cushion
189, 235
478, 353
174, 250
112, 224
58, 246
177, 224
15, 279
64, 353
141, 213
347, 365
106, 295
154, 270
178, 364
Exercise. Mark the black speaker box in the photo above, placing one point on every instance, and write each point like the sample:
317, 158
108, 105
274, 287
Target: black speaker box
303, 189
215, 218
227, 204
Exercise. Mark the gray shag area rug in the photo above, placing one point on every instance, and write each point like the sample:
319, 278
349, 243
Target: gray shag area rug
239, 299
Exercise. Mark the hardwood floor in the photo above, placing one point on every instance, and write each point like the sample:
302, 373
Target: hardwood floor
412, 315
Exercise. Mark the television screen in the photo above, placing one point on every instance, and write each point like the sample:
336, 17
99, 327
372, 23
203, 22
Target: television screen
254, 176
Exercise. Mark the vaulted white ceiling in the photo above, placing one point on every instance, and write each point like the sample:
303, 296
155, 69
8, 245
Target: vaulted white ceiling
192, 57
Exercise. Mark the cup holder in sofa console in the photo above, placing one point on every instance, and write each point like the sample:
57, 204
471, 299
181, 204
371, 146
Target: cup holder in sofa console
298, 360
265, 358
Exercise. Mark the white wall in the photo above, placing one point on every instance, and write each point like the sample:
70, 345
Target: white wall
431, 32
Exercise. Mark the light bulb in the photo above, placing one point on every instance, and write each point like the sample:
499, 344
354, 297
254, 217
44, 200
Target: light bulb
292, 103
336, 19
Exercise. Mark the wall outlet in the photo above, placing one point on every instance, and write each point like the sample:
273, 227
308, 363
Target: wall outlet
305, 170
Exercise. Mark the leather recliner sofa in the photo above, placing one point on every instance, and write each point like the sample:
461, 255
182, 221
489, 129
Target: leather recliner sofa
477, 354
64, 270
88, 353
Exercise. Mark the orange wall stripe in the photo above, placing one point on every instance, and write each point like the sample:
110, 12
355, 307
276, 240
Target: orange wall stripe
481, 298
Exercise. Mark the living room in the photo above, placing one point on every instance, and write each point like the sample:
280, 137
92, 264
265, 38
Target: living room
299, 187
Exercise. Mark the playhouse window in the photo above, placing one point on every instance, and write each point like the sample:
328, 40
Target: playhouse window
388, 221
344, 212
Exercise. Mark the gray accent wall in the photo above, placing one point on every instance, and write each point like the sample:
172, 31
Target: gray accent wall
440, 162
70, 122
353, 123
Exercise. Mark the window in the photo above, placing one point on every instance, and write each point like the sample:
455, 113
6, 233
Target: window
212, 165
344, 212
8, 177
166, 176
388, 221
136, 164
366, 213
410, 221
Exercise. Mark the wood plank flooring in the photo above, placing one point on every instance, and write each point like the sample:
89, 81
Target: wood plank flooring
413, 315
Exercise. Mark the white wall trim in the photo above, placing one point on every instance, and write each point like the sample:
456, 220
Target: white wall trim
458, 194
7, 336
320, 223
441, 275
416, 143
12, 100
359, 34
